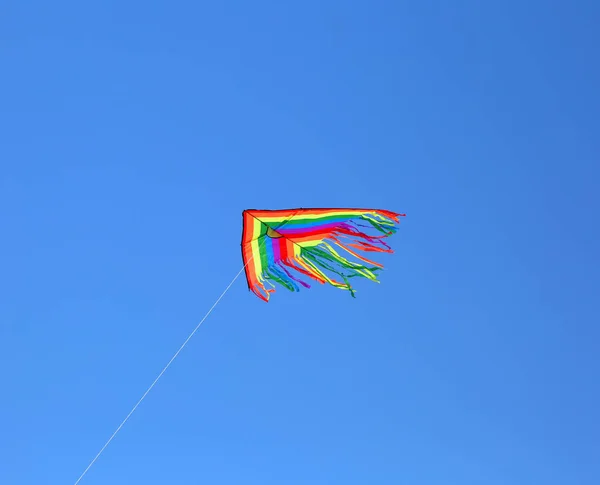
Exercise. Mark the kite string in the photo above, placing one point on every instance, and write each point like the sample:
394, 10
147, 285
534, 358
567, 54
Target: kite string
162, 372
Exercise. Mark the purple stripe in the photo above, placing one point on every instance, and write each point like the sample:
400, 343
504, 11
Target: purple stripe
276, 250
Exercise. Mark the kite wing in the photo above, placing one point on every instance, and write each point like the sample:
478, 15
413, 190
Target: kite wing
280, 245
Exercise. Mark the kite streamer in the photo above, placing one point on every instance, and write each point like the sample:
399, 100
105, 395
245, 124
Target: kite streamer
278, 246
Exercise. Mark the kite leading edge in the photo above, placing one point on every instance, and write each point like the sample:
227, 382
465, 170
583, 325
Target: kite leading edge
280, 245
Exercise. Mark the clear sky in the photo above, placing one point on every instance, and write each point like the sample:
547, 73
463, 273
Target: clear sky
133, 134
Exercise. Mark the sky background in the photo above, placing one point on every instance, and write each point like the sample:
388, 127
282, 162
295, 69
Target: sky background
132, 136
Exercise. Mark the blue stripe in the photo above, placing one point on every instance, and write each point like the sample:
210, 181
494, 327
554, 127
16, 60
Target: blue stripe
269, 251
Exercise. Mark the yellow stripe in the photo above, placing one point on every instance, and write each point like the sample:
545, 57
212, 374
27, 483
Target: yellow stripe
297, 251
256, 250
306, 244
301, 215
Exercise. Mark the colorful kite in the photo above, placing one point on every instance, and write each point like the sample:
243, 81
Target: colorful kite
279, 244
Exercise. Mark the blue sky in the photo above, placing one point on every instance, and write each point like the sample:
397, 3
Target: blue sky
135, 133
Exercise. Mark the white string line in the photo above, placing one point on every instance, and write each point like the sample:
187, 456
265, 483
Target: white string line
162, 372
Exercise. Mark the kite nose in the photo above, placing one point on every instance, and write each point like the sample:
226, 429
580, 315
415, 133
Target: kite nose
272, 233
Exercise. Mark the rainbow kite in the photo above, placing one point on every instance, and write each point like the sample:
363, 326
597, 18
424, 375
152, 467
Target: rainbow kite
279, 244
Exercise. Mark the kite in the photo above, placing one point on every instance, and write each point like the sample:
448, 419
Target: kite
280, 245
